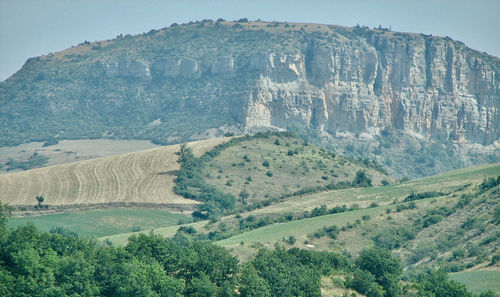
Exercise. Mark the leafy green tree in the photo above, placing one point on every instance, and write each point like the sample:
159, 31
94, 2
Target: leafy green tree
386, 269
286, 275
364, 282
251, 284
437, 284
201, 286
361, 179
5, 212
136, 278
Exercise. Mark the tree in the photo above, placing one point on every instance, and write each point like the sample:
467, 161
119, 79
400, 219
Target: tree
5, 212
386, 269
40, 200
364, 282
244, 195
362, 179
251, 284
438, 284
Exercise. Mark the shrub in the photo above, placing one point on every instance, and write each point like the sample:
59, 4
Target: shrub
269, 173
291, 240
417, 196
431, 220
361, 179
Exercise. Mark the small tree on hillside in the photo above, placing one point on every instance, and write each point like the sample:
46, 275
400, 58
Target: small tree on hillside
40, 199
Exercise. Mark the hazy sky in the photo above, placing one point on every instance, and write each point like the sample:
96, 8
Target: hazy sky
30, 28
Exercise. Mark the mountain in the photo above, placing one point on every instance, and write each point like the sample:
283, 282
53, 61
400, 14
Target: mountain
417, 104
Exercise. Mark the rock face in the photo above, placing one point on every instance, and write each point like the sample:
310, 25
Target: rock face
427, 87
369, 93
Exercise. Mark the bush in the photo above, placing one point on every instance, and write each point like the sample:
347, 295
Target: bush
364, 282
417, 196
269, 173
361, 179
431, 220
291, 240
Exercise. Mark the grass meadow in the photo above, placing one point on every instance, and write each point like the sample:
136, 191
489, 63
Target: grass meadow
103, 222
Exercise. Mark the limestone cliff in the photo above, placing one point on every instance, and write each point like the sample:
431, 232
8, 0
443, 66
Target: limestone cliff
408, 100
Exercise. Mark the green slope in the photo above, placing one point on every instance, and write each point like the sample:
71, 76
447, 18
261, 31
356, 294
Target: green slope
480, 280
102, 222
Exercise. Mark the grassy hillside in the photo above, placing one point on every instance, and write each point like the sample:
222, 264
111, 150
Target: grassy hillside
103, 222
279, 165
479, 280
458, 222
374, 202
449, 221
142, 177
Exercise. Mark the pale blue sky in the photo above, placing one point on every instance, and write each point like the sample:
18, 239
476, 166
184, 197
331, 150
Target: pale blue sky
30, 28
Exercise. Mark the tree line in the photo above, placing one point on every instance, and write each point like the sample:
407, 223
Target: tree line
34, 263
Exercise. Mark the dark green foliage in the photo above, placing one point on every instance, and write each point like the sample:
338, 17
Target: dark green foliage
417, 196
252, 284
495, 259
432, 219
338, 209
364, 282
361, 179
489, 183
34, 263
190, 184
295, 272
269, 173
439, 285
331, 232
187, 230
291, 240
265, 163
63, 232
319, 211
386, 269
395, 237
34, 161
496, 214
244, 195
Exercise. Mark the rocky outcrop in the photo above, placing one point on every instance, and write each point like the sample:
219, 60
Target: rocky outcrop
222, 66
428, 87
132, 68
183, 67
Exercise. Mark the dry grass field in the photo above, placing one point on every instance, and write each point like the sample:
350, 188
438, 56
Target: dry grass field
142, 177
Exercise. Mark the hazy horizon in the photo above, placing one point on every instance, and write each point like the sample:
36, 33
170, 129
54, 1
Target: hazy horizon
30, 28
